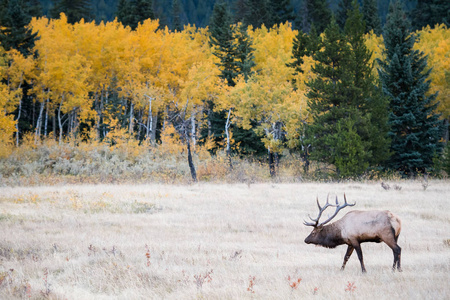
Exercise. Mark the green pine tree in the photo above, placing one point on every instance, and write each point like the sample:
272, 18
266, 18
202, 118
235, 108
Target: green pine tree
415, 127
431, 12
239, 11
319, 14
280, 12
349, 148
123, 12
371, 17
176, 15
299, 50
245, 59
303, 44
327, 98
14, 34
133, 12
257, 13
222, 40
342, 12
75, 10
15, 15
143, 10
349, 128
233, 46
364, 93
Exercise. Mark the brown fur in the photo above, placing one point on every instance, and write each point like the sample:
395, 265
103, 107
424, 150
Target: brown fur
358, 227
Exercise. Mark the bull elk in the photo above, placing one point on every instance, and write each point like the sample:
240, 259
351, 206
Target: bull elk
354, 228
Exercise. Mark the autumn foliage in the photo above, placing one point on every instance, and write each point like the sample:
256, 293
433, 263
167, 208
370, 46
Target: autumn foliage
105, 82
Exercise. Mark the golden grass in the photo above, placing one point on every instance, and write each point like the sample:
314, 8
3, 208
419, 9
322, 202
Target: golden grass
213, 241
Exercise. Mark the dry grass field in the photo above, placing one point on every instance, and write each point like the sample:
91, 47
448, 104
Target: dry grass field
213, 241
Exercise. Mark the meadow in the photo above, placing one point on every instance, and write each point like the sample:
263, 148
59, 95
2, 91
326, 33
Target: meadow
214, 241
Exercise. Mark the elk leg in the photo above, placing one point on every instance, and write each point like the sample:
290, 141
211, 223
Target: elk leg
397, 251
397, 254
360, 256
347, 255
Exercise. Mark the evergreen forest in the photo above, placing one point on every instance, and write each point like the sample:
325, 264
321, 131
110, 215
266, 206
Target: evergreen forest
334, 89
198, 12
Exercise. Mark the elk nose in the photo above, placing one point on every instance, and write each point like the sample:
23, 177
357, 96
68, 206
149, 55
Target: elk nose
307, 241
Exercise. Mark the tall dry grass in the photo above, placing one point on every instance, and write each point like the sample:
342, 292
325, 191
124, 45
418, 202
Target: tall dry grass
213, 241
77, 162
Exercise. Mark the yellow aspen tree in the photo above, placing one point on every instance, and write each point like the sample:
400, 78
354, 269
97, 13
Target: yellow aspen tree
268, 98
63, 73
7, 100
106, 48
21, 69
192, 79
375, 44
148, 42
436, 44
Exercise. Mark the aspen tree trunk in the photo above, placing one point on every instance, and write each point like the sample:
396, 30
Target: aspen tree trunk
70, 122
208, 119
76, 121
272, 169
34, 112
17, 122
74, 125
148, 128
277, 135
166, 115
103, 104
99, 112
149, 119
153, 132
39, 123
18, 117
190, 160
273, 156
193, 131
59, 119
131, 117
46, 117
54, 126
227, 132
139, 115
188, 142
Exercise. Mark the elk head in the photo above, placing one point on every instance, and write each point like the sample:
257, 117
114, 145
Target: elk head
319, 235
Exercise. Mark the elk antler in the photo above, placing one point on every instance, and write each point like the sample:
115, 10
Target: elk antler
322, 209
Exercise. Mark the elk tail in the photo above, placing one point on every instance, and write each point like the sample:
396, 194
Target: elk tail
396, 225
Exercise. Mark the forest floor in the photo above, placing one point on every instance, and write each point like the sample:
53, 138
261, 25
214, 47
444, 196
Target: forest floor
214, 241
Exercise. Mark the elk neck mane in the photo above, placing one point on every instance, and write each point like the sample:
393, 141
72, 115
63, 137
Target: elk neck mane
331, 236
